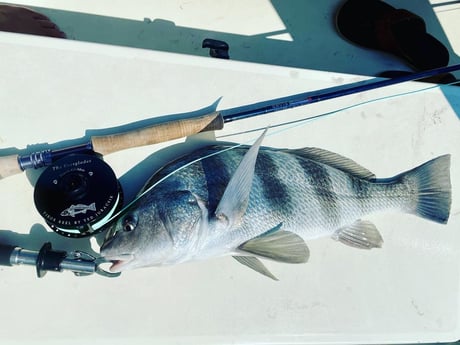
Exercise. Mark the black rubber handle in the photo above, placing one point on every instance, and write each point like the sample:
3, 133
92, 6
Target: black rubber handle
218, 49
5, 254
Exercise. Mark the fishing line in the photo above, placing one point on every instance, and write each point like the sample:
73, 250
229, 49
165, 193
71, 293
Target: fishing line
172, 173
305, 120
290, 124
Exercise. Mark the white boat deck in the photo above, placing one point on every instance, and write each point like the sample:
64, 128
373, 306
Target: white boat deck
295, 33
54, 90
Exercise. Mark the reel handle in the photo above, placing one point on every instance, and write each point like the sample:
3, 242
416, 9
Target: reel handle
157, 133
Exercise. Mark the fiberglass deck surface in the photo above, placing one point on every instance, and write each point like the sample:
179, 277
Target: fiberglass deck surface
53, 90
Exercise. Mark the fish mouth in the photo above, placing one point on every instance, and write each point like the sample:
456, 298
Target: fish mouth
119, 262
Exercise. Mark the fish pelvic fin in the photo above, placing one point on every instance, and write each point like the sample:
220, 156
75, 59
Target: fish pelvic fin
234, 201
361, 234
255, 264
433, 189
281, 246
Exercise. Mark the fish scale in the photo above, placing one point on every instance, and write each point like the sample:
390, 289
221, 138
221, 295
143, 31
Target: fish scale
315, 207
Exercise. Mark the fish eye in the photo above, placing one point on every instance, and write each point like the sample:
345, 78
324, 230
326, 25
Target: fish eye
129, 223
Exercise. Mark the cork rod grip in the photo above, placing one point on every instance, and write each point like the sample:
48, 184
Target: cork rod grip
9, 166
157, 133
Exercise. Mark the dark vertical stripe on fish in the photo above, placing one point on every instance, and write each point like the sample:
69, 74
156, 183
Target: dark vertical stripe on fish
362, 190
217, 175
275, 192
318, 177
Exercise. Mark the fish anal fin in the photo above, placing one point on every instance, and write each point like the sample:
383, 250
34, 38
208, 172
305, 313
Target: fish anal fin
234, 201
361, 234
281, 246
255, 264
334, 160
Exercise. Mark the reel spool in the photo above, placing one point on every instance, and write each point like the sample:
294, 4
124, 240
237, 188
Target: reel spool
77, 195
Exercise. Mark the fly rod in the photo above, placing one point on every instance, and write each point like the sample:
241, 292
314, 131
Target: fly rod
179, 128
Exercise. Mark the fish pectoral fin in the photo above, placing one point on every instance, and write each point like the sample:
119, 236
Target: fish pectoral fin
361, 234
282, 246
255, 264
234, 202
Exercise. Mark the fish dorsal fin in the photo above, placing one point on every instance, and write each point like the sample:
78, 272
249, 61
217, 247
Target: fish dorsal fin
234, 202
255, 264
282, 246
334, 160
361, 234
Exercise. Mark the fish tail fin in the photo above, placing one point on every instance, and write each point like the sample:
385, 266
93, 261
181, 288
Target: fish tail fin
432, 185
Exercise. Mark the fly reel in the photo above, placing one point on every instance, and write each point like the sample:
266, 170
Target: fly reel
77, 195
